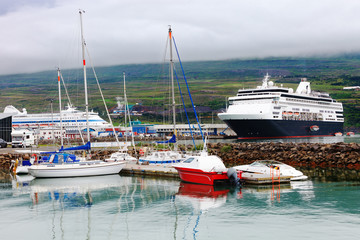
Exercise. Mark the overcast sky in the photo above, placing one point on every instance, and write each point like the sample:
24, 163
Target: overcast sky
43, 34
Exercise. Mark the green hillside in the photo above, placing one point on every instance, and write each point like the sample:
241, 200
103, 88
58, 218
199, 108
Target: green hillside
210, 83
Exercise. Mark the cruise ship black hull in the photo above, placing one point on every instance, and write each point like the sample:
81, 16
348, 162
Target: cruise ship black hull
257, 129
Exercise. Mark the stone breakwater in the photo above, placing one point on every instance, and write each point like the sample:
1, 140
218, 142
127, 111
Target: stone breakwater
337, 155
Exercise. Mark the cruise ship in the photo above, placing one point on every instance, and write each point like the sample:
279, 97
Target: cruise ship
72, 119
269, 111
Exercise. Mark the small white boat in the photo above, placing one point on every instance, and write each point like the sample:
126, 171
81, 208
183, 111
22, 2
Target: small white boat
21, 166
162, 157
120, 156
271, 167
79, 169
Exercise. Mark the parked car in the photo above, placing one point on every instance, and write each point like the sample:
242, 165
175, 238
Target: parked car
3, 144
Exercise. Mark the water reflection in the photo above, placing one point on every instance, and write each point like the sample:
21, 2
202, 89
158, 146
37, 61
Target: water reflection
201, 197
115, 207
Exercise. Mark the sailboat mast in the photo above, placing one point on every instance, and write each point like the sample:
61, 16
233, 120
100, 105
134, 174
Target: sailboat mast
125, 107
85, 81
172, 81
127, 111
61, 128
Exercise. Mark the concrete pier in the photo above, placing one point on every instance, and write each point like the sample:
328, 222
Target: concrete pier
150, 170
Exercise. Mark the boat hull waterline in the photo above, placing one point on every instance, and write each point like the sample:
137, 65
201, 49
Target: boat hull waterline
201, 177
76, 170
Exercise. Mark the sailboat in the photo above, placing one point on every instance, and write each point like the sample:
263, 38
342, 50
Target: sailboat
171, 156
76, 168
22, 166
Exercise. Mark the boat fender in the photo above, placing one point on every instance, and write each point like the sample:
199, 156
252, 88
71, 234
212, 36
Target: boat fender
233, 177
15, 166
33, 159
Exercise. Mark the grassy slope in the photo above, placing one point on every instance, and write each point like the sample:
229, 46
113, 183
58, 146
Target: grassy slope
210, 83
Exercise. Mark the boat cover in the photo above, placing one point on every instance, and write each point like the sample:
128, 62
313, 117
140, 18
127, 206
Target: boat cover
171, 140
87, 146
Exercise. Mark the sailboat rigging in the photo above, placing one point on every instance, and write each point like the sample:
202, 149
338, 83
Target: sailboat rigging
171, 156
122, 153
82, 168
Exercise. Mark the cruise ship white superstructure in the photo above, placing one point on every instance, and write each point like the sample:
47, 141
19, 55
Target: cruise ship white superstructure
72, 119
270, 111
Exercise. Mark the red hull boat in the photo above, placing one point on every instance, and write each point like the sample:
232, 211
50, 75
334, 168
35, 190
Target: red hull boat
206, 169
200, 176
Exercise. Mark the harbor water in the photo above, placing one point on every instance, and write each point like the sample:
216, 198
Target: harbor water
126, 207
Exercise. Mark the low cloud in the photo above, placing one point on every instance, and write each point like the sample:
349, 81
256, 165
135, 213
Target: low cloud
43, 34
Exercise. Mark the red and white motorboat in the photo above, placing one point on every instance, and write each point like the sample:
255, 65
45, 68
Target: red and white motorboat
205, 169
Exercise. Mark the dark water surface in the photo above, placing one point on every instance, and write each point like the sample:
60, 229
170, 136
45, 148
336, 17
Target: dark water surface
118, 207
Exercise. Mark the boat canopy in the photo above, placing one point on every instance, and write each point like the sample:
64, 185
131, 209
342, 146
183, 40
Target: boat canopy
204, 162
85, 147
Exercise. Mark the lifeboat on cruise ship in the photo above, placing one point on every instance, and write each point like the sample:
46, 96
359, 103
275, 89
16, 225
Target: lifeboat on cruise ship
314, 128
338, 134
350, 134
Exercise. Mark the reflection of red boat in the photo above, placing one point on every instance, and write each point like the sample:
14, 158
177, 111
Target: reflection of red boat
203, 169
201, 197
199, 191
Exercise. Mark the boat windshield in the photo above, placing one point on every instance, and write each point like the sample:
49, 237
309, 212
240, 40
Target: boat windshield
189, 160
263, 163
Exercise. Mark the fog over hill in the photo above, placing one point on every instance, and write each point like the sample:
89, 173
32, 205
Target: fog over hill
211, 82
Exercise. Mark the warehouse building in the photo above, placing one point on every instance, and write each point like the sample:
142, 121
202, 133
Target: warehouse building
5, 126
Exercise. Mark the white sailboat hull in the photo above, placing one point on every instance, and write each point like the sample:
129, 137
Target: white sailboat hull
91, 168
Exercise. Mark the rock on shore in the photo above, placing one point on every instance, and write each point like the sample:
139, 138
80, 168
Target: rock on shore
337, 155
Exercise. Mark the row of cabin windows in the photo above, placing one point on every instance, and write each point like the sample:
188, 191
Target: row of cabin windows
307, 101
178, 129
44, 133
307, 110
325, 111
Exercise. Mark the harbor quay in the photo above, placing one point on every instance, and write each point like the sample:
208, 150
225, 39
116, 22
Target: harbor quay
334, 155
